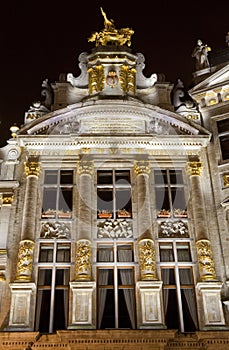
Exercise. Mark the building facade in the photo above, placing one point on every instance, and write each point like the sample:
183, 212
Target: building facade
115, 206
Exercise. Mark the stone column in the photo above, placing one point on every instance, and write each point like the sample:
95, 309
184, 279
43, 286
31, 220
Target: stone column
7, 200
208, 288
82, 312
26, 245
203, 245
23, 290
149, 289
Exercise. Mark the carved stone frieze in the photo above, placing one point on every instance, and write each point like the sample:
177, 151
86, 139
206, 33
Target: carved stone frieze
55, 230
114, 229
173, 229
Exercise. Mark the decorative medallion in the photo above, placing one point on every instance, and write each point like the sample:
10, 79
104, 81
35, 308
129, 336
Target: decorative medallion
112, 79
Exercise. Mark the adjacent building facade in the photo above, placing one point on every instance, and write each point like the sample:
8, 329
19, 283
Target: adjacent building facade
115, 206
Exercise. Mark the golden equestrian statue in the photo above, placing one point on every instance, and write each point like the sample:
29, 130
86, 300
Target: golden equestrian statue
110, 35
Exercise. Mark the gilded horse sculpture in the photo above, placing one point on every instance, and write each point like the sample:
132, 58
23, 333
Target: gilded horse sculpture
111, 35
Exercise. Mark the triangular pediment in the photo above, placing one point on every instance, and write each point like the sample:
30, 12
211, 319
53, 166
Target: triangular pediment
217, 79
108, 117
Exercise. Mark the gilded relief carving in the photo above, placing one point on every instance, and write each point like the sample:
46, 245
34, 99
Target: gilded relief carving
83, 260
141, 168
147, 260
25, 260
32, 168
127, 78
205, 260
85, 167
96, 79
194, 168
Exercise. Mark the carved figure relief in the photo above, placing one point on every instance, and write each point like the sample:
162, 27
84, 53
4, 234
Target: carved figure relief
55, 230
114, 229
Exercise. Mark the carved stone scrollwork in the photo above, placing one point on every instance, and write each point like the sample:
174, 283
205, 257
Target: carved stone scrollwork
147, 259
83, 260
85, 168
173, 229
32, 168
205, 260
194, 168
115, 229
142, 168
25, 261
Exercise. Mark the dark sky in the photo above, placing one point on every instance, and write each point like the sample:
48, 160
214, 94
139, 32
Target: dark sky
41, 39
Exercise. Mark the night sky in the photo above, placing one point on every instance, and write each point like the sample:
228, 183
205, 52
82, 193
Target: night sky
41, 39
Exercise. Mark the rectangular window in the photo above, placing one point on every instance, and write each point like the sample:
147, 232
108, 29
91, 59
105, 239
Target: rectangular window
53, 286
114, 194
178, 285
57, 194
116, 293
223, 133
169, 191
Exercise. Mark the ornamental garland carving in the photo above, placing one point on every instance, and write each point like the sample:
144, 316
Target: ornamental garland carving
205, 260
173, 229
55, 230
25, 260
83, 260
114, 229
147, 260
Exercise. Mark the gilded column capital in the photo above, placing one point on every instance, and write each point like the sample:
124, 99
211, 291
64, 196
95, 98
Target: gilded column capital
7, 199
83, 260
85, 168
25, 260
32, 168
142, 167
205, 260
194, 168
147, 260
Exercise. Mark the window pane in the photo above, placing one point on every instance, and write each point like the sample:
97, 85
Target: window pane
60, 310
178, 199
104, 177
175, 177
51, 177
124, 297
49, 199
223, 125
44, 277
46, 253
105, 254
166, 252
108, 318
168, 276
160, 177
185, 276
125, 277
189, 313
122, 177
62, 277
125, 253
65, 199
183, 252
162, 198
43, 310
123, 200
66, 177
106, 277
63, 253
171, 309
105, 199
224, 144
